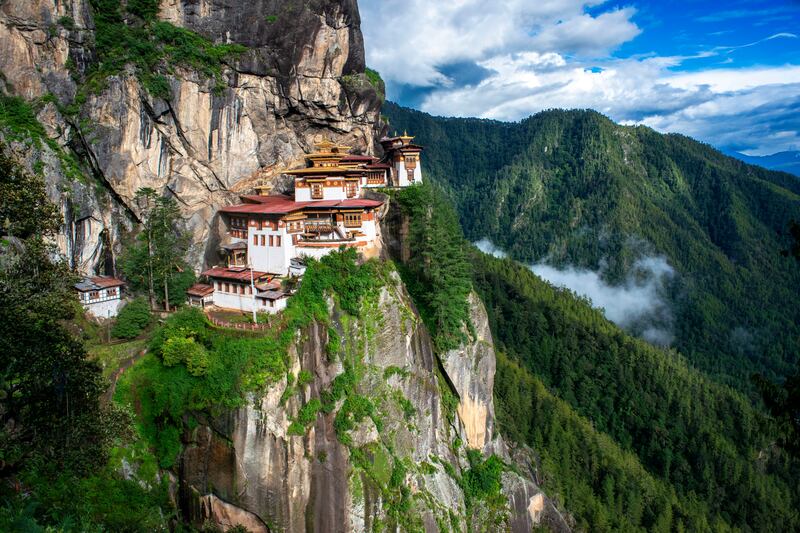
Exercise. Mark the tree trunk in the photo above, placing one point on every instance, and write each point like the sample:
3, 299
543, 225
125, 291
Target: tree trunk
166, 295
151, 290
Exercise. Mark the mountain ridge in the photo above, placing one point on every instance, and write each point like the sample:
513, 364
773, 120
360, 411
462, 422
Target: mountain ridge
787, 161
574, 189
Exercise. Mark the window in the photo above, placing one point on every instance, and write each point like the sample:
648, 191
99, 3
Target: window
278, 241
263, 239
352, 220
351, 188
227, 287
94, 295
316, 191
271, 241
255, 240
111, 292
239, 227
241, 289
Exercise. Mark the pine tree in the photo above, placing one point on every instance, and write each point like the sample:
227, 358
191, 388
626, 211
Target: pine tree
157, 257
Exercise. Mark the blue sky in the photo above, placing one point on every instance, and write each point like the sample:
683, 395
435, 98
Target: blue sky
727, 73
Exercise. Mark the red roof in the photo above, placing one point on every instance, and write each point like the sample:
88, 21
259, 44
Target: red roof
281, 205
359, 202
260, 198
236, 274
378, 165
200, 289
106, 281
355, 157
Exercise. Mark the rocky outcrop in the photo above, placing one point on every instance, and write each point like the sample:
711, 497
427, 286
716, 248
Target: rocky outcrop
201, 145
355, 480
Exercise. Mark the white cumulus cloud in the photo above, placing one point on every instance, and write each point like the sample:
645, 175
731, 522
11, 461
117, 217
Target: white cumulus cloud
529, 56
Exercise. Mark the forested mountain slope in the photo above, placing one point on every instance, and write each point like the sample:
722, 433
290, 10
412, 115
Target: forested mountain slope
573, 188
571, 380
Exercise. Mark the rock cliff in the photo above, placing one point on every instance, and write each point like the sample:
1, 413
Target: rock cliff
400, 467
300, 78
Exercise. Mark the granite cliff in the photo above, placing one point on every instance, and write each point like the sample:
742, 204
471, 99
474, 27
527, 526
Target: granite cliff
298, 78
247, 468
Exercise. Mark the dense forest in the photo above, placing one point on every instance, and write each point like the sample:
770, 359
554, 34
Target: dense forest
628, 436
573, 188
565, 362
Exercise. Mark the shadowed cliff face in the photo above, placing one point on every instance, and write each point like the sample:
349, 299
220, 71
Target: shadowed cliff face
204, 147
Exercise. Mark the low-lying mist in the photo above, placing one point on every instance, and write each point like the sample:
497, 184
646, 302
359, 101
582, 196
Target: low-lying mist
638, 305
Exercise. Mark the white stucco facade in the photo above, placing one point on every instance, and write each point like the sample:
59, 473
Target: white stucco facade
106, 308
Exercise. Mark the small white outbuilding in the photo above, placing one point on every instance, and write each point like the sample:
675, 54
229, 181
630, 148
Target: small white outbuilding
101, 296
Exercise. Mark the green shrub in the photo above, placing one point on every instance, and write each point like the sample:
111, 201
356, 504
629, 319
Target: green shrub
185, 350
132, 319
67, 23
197, 360
482, 479
304, 377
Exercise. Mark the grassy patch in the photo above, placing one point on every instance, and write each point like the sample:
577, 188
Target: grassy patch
111, 356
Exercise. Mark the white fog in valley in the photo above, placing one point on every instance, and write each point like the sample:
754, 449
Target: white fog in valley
638, 305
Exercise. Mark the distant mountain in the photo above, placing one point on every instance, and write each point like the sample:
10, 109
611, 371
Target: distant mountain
571, 188
784, 161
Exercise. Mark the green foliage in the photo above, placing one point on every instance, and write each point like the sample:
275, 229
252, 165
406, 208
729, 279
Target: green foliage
353, 411
236, 363
374, 79
48, 389
185, 350
66, 22
305, 417
19, 123
604, 487
155, 261
783, 403
573, 187
132, 35
482, 479
334, 345
55, 438
304, 377
678, 425
25, 210
437, 274
19, 118
132, 319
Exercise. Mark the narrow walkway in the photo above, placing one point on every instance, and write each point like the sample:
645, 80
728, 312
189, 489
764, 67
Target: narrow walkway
108, 395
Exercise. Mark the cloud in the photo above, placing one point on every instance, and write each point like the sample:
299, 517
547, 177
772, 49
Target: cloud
755, 104
508, 60
486, 246
411, 41
638, 305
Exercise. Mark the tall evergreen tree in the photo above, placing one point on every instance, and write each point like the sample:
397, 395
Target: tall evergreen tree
156, 260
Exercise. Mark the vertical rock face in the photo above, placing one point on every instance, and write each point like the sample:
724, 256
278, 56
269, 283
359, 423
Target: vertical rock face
247, 463
203, 147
